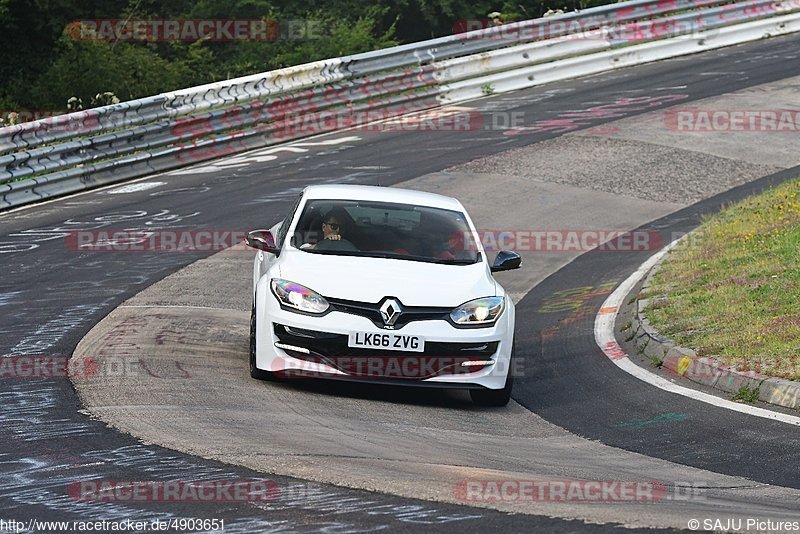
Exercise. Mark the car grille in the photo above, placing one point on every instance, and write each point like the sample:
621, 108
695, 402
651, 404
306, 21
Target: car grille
373, 313
332, 350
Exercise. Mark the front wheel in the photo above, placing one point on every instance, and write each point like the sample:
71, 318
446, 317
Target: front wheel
255, 372
493, 397
496, 397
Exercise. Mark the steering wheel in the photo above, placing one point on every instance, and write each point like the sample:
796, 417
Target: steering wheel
336, 244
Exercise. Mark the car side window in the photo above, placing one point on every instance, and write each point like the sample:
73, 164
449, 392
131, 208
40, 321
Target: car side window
284, 229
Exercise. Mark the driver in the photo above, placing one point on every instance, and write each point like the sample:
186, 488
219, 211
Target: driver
455, 245
332, 228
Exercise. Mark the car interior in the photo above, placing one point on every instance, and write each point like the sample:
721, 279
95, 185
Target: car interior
372, 229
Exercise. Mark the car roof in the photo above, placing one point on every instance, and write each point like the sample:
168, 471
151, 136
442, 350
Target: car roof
381, 194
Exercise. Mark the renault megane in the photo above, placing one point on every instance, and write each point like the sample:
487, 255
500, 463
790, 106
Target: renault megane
383, 285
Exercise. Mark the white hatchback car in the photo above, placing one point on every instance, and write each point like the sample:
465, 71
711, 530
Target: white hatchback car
383, 285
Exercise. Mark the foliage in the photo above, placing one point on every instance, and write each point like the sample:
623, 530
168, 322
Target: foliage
746, 394
44, 64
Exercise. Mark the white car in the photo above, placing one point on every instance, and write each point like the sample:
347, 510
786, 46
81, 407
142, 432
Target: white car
384, 285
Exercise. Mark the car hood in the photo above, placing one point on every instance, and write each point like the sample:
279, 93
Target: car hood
362, 279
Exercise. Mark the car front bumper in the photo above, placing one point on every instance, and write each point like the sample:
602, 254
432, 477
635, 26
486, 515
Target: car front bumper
294, 344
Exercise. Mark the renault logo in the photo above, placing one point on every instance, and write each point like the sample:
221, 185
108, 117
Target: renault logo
390, 311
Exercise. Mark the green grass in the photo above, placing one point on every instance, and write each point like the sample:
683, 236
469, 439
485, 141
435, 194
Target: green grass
733, 288
745, 394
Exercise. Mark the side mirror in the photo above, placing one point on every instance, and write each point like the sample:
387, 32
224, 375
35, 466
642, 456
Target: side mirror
262, 240
506, 261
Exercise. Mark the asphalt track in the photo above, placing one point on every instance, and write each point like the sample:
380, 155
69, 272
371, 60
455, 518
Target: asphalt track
52, 296
703, 436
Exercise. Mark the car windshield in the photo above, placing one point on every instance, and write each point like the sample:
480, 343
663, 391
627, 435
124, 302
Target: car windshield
385, 230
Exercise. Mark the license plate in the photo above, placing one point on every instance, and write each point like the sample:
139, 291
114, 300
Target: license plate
386, 341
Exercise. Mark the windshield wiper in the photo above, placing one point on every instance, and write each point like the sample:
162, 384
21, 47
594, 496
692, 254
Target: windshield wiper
424, 259
333, 252
391, 256
456, 262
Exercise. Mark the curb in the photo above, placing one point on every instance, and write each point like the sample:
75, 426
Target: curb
707, 370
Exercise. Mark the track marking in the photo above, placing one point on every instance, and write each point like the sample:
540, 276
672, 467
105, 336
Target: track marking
134, 188
104, 188
262, 155
604, 336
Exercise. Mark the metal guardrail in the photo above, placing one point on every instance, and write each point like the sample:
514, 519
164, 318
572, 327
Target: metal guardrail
86, 149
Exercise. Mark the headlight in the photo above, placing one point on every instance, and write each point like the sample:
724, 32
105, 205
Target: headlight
298, 297
476, 312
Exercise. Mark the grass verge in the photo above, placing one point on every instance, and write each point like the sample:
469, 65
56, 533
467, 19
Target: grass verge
732, 288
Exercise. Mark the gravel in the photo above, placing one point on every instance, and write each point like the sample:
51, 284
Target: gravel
623, 167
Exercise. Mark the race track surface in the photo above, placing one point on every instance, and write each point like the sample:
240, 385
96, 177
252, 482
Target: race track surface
391, 458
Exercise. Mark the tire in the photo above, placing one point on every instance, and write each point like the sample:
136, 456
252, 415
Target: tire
255, 372
495, 397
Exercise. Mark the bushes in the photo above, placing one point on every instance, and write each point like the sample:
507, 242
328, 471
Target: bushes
48, 65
